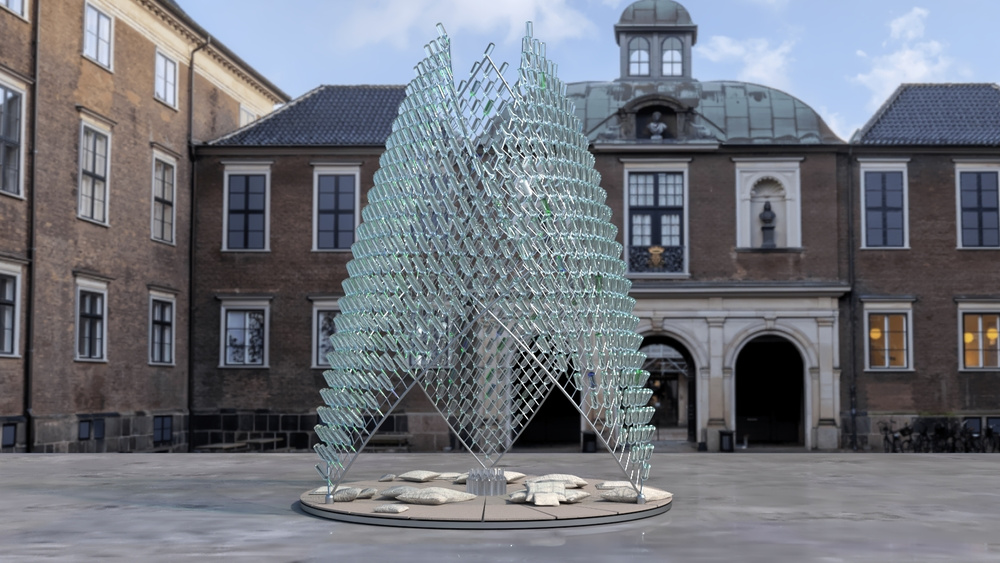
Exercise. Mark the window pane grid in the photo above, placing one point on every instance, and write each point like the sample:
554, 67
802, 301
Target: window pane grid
16, 6
335, 211
642, 230
163, 202
980, 213
246, 212
166, 79
656, 206
640, 190
93, 178
887, 340
981, 340
7, 307
244, 337
162, 333
638, 57
97, 36
10, 141
884, 209
672, 57
91, 319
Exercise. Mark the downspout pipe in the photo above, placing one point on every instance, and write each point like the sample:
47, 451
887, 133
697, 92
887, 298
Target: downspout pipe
853, 299
29, 330
191, 241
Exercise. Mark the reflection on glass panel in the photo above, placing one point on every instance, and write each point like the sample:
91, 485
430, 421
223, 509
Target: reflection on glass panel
245, 337
325, 328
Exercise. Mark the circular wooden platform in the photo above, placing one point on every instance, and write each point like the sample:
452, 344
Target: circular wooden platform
482, 513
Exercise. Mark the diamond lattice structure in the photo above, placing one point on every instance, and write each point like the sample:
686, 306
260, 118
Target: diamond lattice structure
486, 273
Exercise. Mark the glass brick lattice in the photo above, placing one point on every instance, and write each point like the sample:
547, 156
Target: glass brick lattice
485, 273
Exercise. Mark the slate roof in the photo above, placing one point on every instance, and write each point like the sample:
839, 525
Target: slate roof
936, 114
327, 115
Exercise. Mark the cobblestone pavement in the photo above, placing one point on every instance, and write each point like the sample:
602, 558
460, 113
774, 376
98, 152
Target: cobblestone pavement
727, 507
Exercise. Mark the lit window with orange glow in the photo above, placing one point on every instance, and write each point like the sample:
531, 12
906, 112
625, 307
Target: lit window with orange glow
981, 340
887, 341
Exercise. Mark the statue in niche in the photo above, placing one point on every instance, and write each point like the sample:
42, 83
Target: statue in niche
656, 128
767, 218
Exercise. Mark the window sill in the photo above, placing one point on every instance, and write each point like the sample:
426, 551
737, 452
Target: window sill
22, 16
979, 370
884, 248
248, 250
977, 248
162, 365
91, 360
655, 276
10, 356
166, 103
106, 225
165, 242
15, 196
890, 370
221, 366
333, 250
783, 250
107, 69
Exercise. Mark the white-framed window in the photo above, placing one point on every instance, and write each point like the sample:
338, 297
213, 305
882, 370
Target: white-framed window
656, 217
16, 6
164, 194
979, 335
98, 36
336, 202
977, 197
888, 335
162, 312
244, 332
165, 88
774, 183
91, 320
324, 314
247, 116
95, 160
638, 56
884, 204
10, 310
673, 57
11, 136
246, 209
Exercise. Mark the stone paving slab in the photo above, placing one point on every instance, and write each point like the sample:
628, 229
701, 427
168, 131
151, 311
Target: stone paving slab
746, 507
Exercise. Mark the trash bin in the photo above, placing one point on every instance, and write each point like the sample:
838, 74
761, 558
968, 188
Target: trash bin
589, 442
725, 440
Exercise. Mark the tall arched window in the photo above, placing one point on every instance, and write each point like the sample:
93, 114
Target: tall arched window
673, 57
638, 57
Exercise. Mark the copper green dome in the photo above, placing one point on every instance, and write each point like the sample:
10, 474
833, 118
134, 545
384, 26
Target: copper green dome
656, 15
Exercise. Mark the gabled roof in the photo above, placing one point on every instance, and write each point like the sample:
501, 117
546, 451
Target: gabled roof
936, 114
327, 116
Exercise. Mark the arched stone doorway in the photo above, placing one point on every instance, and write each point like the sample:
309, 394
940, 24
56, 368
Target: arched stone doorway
671, 377
769, 392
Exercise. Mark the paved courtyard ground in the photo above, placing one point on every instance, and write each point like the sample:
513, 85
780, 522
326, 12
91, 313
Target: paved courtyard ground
740, 506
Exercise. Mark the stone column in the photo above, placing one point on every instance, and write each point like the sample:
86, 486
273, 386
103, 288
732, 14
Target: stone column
716, 382
827, 435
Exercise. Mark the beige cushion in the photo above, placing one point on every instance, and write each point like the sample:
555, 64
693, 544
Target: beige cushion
370, 492
628, 494
546, 493
575, 495
518, 497
434, 495
322, 490
346, 495
513, 476
462, 479
386, 478
448, 476
418, 476
608, 485
572, 481
396, 491
391, 508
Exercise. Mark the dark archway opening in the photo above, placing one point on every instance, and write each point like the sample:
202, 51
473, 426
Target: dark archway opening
557, 422
671, 377
769, 392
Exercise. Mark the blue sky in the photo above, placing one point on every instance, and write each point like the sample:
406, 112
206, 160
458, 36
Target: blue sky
842, 57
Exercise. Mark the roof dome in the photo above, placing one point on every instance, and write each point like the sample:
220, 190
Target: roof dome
655, 12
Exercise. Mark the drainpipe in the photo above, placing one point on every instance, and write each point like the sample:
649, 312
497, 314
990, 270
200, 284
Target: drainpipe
29, 344
191, 240
852, 304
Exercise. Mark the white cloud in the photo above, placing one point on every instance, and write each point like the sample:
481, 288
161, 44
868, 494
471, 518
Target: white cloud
401, 23
861, 54
913, 60
838, 123
762, 63
909, 26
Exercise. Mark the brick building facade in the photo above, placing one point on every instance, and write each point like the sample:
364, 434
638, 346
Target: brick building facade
106, 97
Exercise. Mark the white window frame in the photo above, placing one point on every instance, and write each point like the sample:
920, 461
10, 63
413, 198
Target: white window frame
884, 165
247, 116
973, 308
92, 286
25, 9
321, 305
15, 271
889, 307
167, 298
21, 88
246, 168
638, 63
664, 62
784, 171
97, 127
167, 84
644, 166
970, 166
245, 303
334, 170
166, 159
111, 39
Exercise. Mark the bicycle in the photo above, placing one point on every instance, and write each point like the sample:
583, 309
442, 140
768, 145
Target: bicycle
892, 441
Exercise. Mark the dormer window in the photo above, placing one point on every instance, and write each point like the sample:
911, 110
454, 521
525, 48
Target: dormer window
673, 57
638, 57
